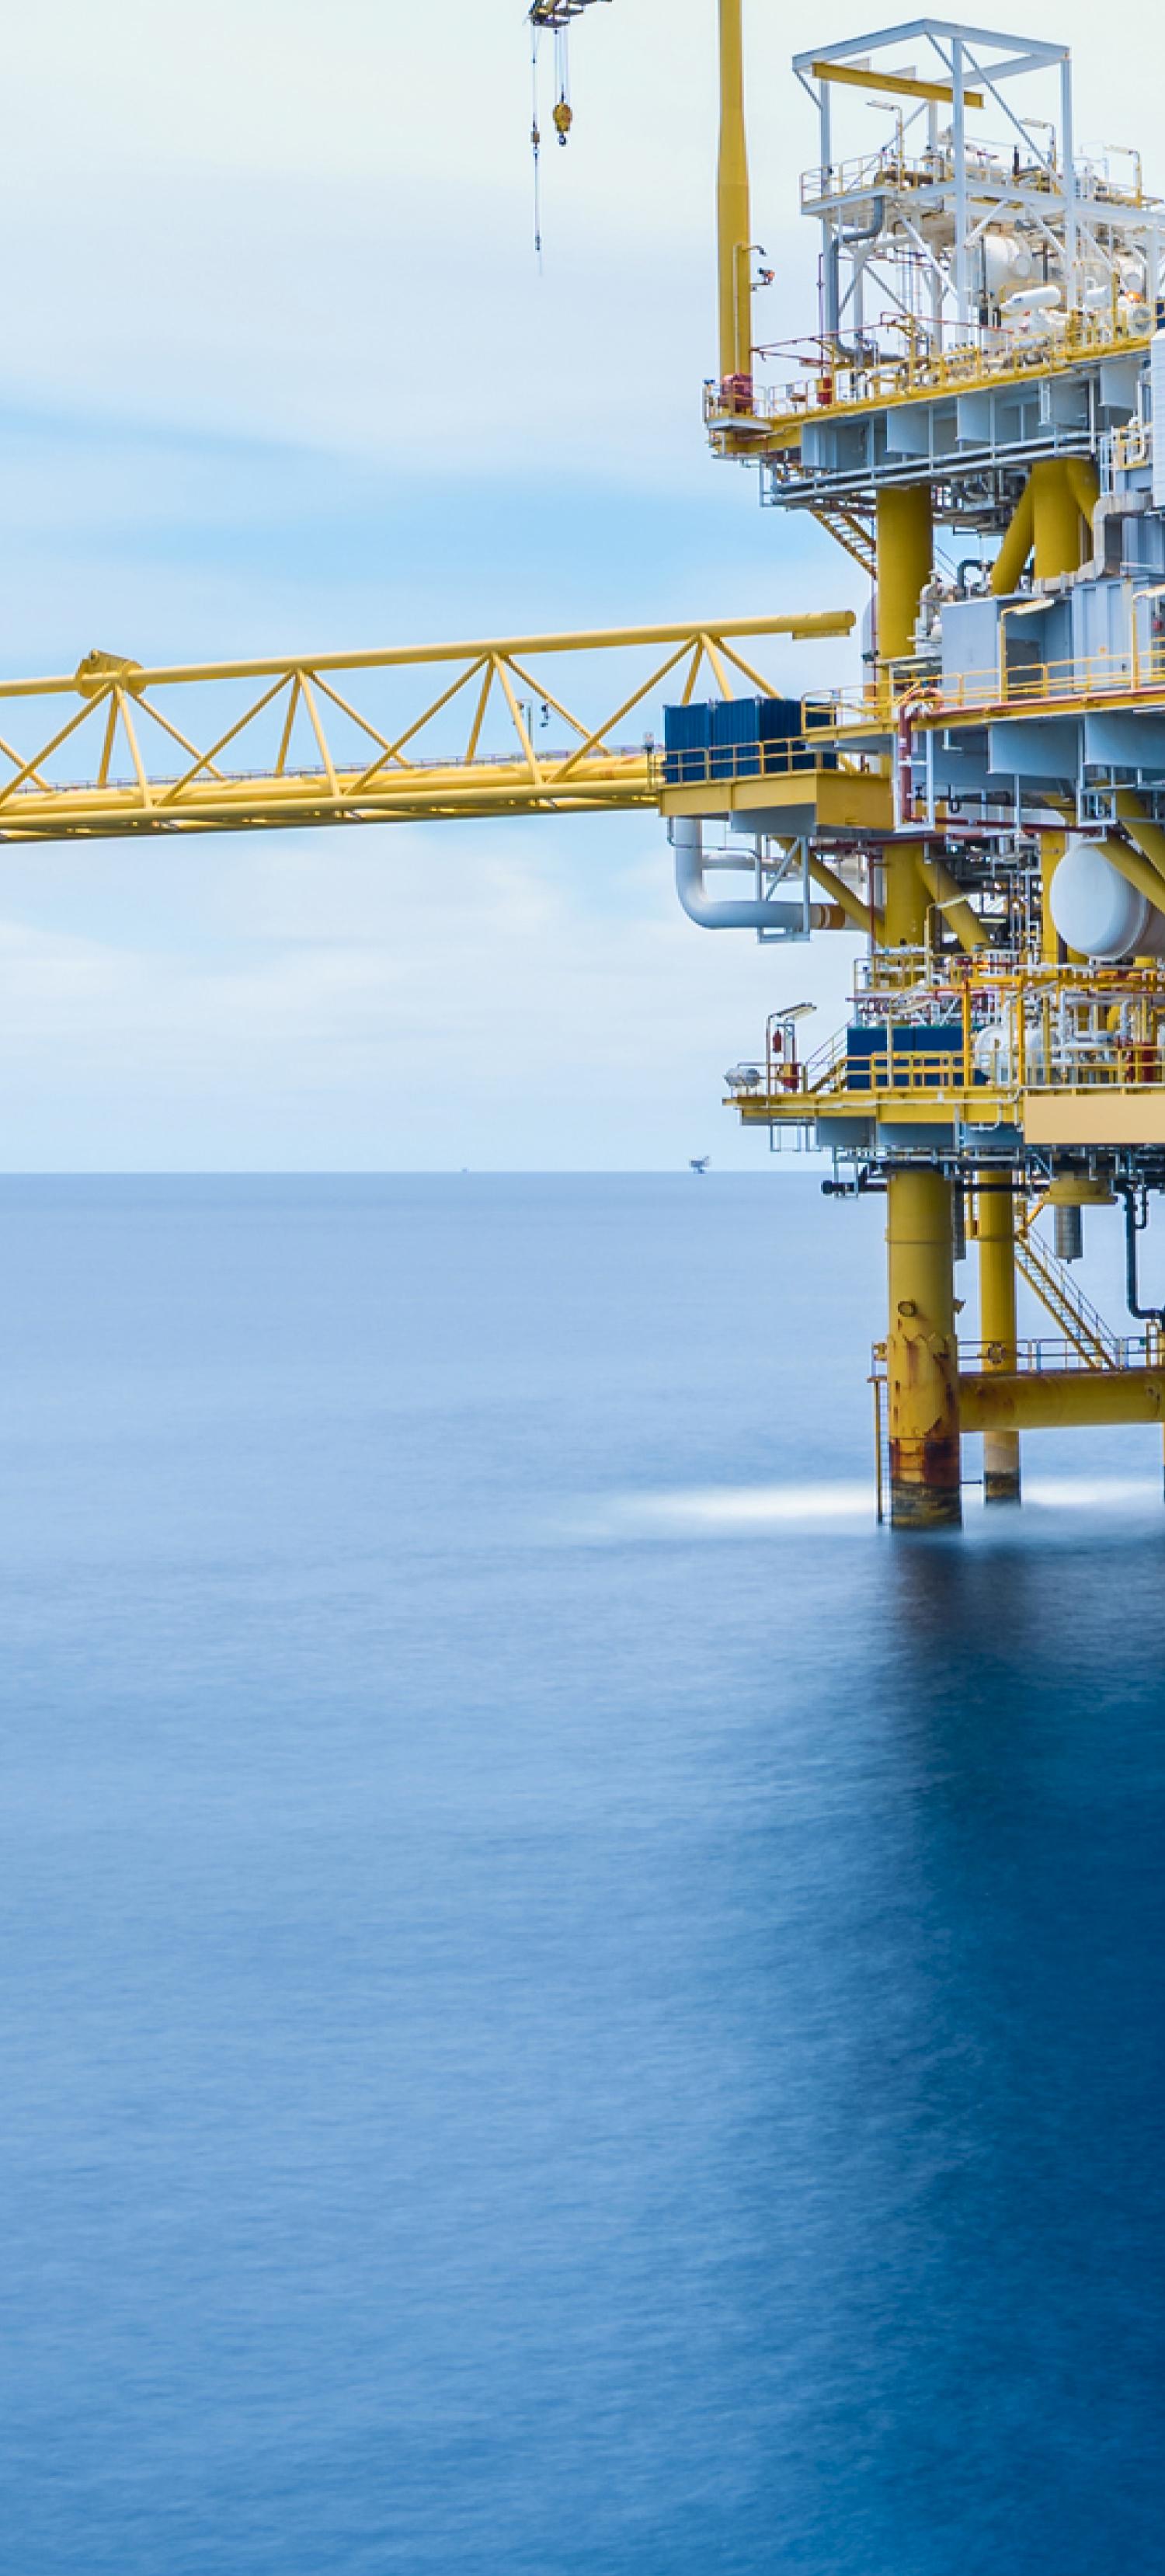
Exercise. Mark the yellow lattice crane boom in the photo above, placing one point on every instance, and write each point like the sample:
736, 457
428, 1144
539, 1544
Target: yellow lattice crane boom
414, 733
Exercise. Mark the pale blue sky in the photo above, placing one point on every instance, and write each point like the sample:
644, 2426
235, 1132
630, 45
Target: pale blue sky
280, 373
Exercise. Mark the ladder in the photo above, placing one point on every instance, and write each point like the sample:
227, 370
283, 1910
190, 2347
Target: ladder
853, 533
1078, 1319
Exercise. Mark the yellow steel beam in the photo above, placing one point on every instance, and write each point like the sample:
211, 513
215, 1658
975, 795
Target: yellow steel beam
897, 84
800, 624
1054, 1399
1149, 837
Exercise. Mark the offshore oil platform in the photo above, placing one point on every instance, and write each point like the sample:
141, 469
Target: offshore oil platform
972, 417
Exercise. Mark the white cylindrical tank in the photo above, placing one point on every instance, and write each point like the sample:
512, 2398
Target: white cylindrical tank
1007, 261
1098, 913
1031, 299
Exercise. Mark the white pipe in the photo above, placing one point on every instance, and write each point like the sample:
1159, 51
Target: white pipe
714, 913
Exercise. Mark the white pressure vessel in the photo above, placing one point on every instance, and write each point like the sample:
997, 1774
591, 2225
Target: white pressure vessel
1006, 260
1098, 913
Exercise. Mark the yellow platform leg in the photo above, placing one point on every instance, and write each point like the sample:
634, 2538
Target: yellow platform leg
997, 1324
905, 541
922, 1353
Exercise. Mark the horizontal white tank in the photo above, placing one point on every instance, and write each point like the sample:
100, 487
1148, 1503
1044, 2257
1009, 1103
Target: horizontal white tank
1098, 913
1005, 260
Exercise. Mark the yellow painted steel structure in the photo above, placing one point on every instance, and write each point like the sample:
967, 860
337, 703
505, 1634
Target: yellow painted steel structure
851, 392
922, 1354
904, 553
998, 1325
733, 219
1059, 1399
266, 743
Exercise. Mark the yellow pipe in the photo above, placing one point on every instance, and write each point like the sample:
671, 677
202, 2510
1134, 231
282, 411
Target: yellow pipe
1052, 513
1057, 527
855, 910
905, 558
943, 891
997, 1324
1052, 848
922, 1353
1084, 484
1016, 546
1059, 1399
733, 217
903, 919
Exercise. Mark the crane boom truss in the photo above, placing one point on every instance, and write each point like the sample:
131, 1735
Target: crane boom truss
282, 741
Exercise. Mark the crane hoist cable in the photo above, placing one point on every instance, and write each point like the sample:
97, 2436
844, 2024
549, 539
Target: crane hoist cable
535, 136
555, 15
562, 116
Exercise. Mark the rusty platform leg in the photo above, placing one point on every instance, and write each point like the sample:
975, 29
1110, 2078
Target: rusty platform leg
922, 1354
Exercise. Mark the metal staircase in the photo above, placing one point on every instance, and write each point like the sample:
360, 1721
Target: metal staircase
1077, 1318
853, 533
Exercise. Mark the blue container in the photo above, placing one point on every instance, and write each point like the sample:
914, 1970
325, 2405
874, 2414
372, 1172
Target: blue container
904, 1040
780, 728
736, 737
686, 745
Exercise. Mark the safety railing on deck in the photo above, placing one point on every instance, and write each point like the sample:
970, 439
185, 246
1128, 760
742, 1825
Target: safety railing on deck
836, 382
934, 700
1035, 1356
996, 1026
717, 763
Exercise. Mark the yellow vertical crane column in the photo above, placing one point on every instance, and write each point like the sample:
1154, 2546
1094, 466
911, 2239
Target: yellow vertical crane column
997, 1323
922, 1364
733, 218
905, 542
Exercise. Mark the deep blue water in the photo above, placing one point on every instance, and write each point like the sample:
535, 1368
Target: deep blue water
568, 2004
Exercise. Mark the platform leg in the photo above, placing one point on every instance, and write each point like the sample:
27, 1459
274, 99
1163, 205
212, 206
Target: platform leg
922, 1353
997, 1324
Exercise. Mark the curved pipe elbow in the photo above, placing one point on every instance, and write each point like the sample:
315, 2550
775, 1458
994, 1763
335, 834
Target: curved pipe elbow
715, 912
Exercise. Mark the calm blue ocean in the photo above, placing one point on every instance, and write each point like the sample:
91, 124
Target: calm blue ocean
569, 2008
